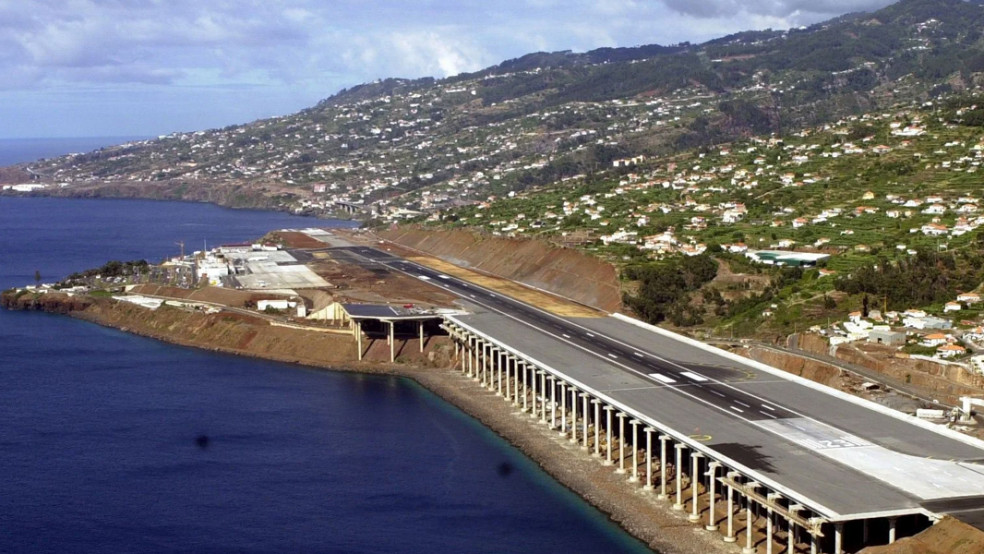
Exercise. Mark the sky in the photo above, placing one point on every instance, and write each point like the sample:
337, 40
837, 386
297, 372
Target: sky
74, 68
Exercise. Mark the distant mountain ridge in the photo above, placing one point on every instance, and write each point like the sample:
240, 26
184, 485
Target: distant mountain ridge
399, 147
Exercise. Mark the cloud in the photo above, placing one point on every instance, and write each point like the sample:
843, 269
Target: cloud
300, 51
791, 9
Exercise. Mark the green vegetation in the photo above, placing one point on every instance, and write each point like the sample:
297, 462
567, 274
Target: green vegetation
924, 279
665, 286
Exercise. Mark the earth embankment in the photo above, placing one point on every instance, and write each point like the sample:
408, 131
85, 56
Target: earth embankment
562, 271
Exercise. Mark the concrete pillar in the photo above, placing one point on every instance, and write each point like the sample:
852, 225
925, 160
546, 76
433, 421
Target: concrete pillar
749, 529
791, 528
649, 459
730, 535
585, 398
525, 389
712, 485
543, 397
892, 521
457, 350
694, 482
574, 395
392, 341
358, 337
553, 401
678, 503
508, 365
663, 439
772, 497
621, 443
500, 366
487, 359
608, 435
533, 391
563, 409
597, 427
635, 451
420, 327
838, 538
814, 539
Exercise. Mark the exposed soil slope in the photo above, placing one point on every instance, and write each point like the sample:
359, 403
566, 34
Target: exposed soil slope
562, 271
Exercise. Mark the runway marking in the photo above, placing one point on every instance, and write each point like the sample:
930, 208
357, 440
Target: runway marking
663, 378
768, 414
767, 407
639, 354
590, 335
566, 336
740, 403
613, 356
739, 410
718, 393
694, 376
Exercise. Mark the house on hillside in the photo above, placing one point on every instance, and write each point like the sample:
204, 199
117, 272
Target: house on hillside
948, 351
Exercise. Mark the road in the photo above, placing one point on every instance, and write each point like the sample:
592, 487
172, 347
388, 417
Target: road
843, 457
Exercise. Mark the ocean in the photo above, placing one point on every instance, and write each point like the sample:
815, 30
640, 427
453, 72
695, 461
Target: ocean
116, 443
14, 151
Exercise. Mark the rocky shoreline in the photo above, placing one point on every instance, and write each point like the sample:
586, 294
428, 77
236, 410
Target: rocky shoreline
635, 510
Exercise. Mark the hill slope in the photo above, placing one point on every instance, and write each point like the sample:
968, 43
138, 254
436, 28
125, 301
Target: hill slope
399, 147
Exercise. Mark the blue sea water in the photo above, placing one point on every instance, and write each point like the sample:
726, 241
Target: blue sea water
100, 431
14, 151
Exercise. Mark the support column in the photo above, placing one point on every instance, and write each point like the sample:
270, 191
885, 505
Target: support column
814, 539
358, 337
712, 485
553, 401
514, 393
597, 427
892, 521
574, 394
457, 349
730, 535
392, 338
500, 367
543, 397
507, 364
563, 409
608, 435
585, 397
694, 482
420, 326
791, 528
771, 497
635, 451
678, 503
663, 439
749, 532
526, 390
649, 459
481, 359
749, 541
838, 538
621, 443
533, 391
487, 355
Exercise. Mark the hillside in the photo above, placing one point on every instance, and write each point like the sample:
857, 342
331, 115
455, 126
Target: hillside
398, 148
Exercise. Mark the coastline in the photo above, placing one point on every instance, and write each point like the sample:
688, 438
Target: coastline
637, 511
